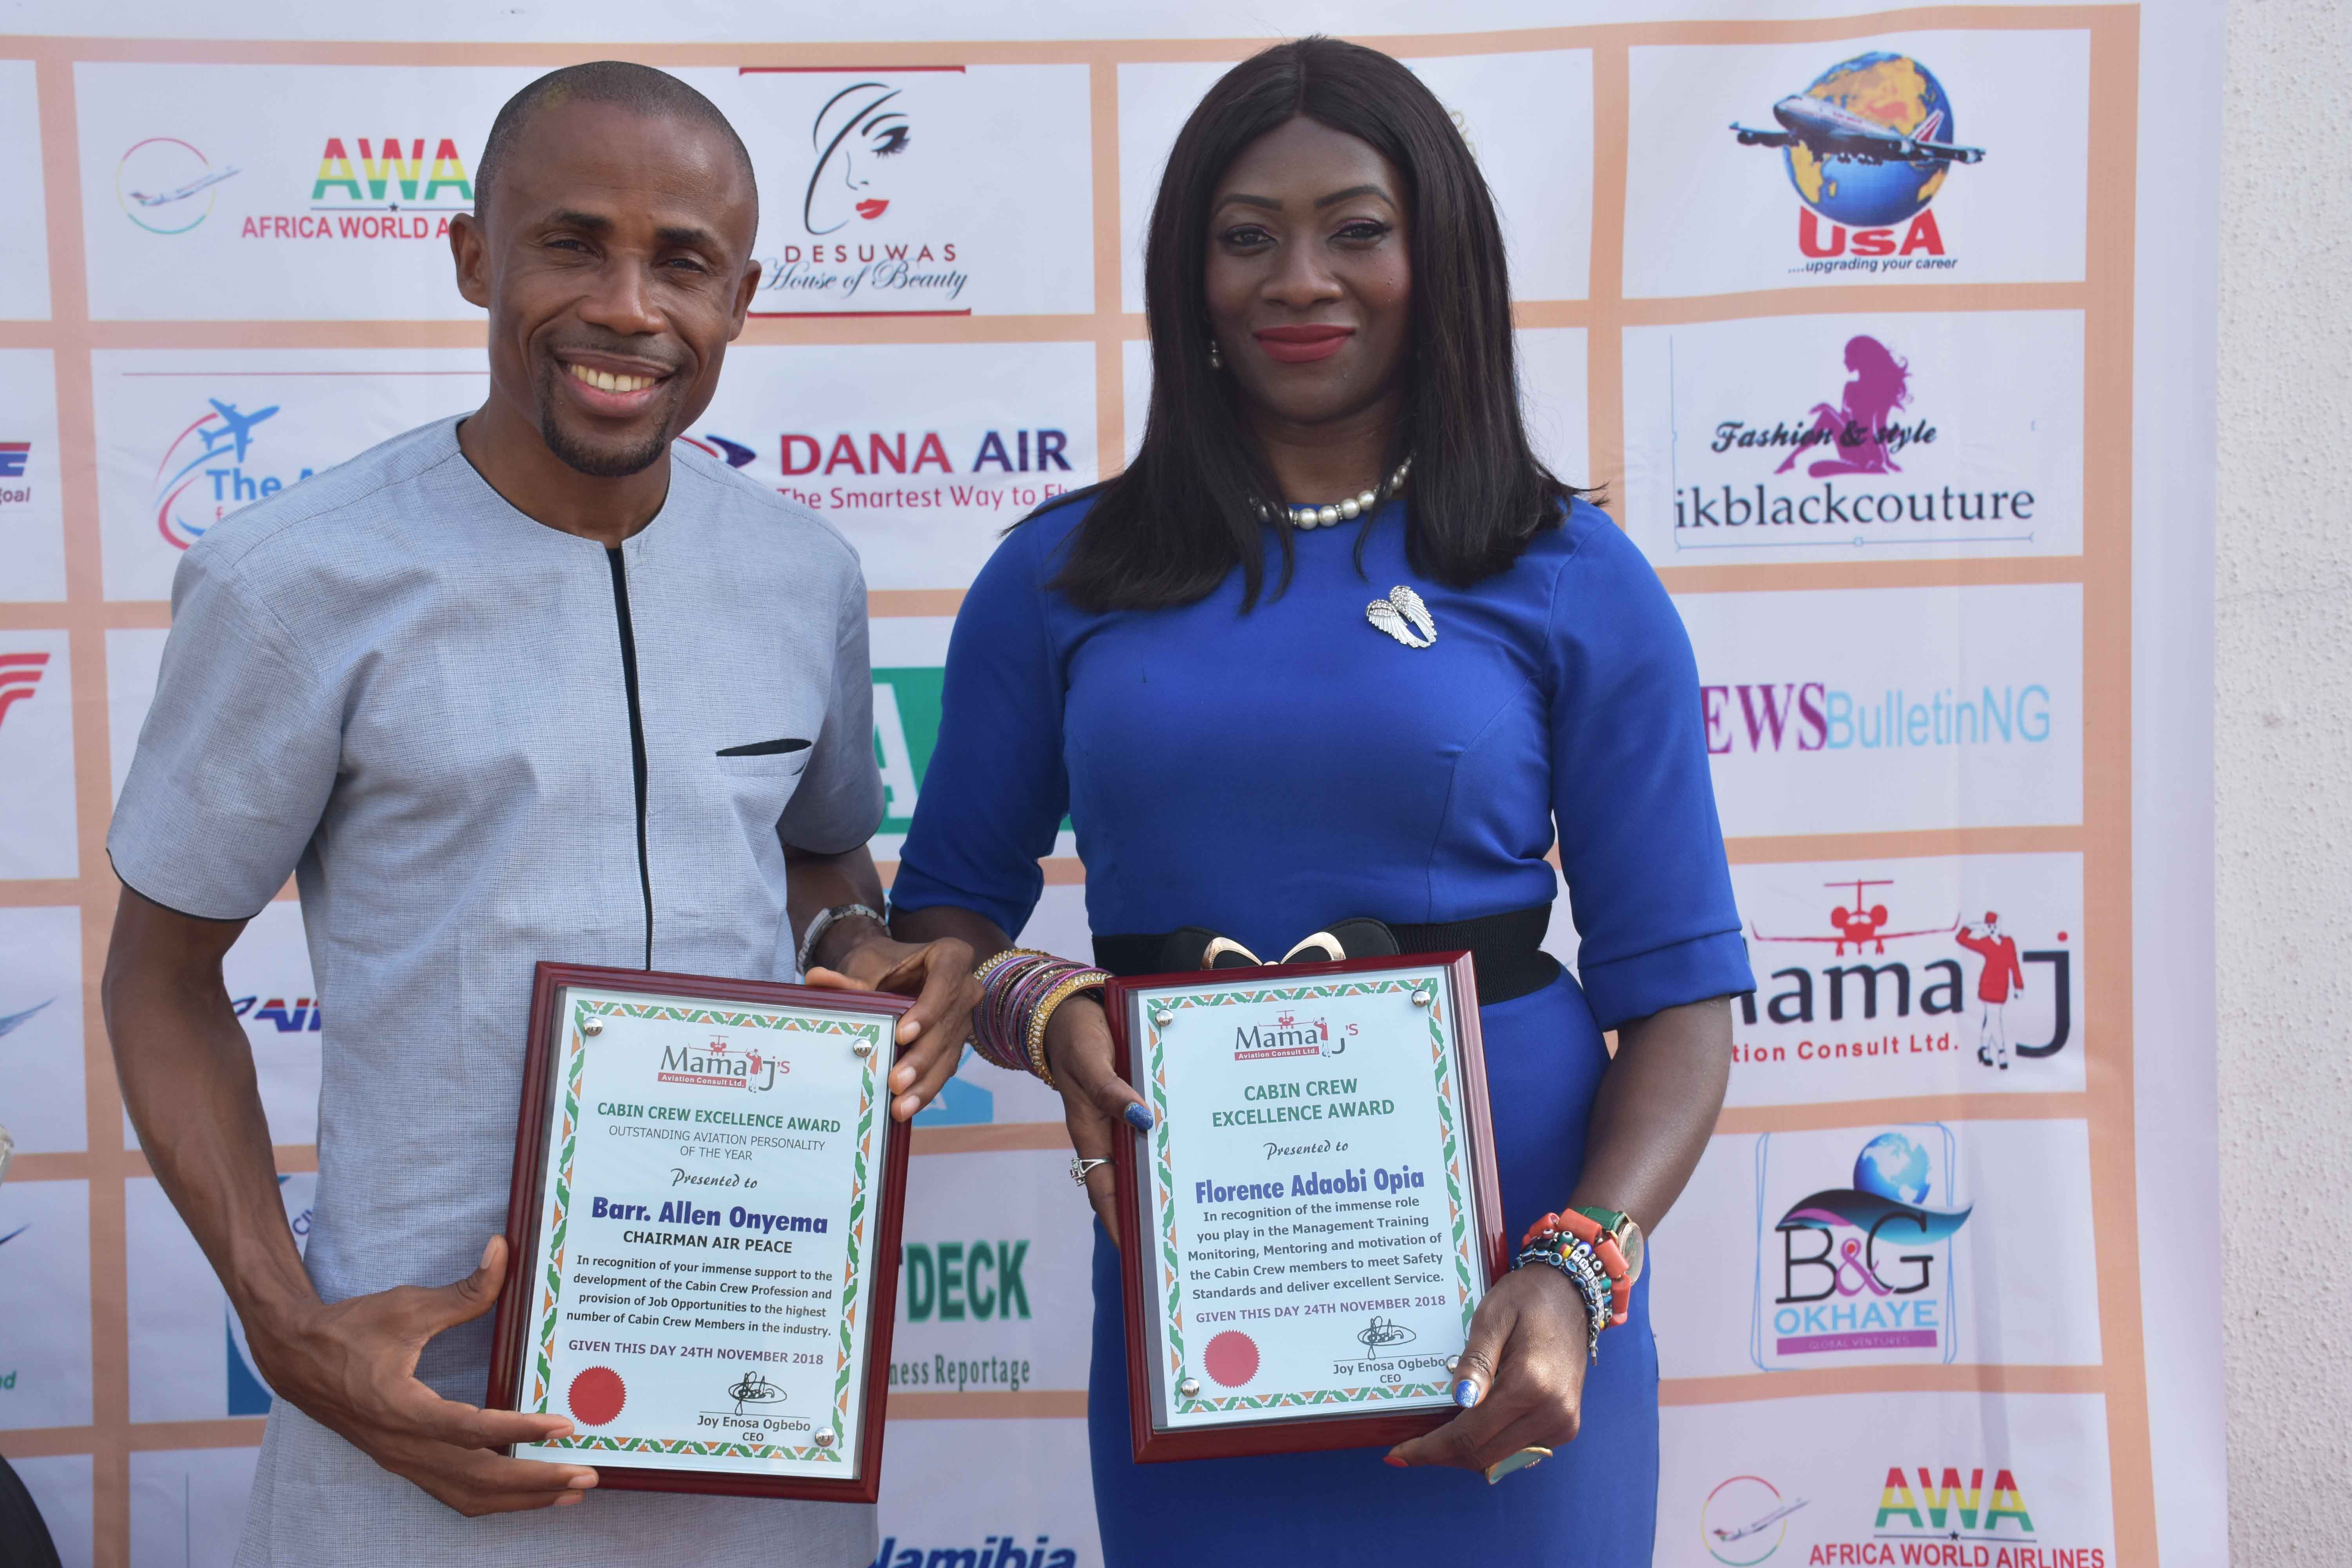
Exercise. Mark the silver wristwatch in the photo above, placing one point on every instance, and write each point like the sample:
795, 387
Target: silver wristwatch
824, 923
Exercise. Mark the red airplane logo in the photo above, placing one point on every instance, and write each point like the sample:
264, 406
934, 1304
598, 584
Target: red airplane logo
1861, 927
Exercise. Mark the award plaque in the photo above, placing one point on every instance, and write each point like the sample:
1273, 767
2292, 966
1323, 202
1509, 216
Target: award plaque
703, 1232
1314, 1219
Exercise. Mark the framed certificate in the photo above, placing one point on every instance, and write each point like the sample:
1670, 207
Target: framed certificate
1314, 1219
704, 1232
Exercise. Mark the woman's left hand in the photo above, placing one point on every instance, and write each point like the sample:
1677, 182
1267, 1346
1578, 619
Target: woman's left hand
1526, 1359
938, 975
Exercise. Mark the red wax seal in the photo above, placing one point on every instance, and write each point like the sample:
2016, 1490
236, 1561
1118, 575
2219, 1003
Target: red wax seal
1231, 1358
597, 1395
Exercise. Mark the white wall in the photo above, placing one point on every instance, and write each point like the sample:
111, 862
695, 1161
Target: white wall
2283, 776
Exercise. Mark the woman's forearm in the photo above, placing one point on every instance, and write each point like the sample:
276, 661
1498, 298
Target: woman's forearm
942, 921
1655, 1109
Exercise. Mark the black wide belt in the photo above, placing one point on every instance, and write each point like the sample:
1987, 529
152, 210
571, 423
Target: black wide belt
1505, 949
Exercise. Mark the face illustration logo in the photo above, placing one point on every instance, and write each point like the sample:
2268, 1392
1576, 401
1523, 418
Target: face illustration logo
20, 676
1802, 993
859, 129
1744, 1520
1855, 1269
204, 474
852, 250
165, 186
1867, 146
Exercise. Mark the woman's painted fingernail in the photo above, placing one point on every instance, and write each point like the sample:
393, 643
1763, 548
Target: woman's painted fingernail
1466, 1393
1392, 1459
1139, 1117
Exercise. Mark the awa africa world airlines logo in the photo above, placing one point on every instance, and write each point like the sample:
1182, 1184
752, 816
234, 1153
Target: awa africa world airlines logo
1867, 146
166, 185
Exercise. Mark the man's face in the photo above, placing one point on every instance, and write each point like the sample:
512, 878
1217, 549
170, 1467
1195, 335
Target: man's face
615, 262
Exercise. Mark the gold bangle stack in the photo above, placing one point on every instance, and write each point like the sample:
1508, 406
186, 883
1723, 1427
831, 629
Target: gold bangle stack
1063, 989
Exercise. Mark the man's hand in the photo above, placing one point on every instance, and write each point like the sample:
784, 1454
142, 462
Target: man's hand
1525, 1361
351, 1367
937, 976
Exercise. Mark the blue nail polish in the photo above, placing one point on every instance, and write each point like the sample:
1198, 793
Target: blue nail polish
1465, 1394
1139, 1117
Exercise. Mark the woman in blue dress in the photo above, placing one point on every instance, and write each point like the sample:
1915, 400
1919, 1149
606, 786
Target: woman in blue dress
1182, 661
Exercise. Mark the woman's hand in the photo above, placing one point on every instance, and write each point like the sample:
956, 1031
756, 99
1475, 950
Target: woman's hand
1525, 1364
938, 975
1097, 1104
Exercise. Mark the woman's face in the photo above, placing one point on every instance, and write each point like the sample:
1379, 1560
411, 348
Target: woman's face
1310, 278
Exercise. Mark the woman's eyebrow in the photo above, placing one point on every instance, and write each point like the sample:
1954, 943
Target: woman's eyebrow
1351, 192
1271, 204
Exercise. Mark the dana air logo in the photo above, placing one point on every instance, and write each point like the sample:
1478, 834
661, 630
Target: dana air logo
1868, 145
850, 470
303, 1017
1860, 1272
722, 1065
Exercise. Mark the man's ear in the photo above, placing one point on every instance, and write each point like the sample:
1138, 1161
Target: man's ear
745, 289
469, 249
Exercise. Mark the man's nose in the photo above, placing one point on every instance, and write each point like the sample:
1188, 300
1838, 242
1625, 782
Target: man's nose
622, 301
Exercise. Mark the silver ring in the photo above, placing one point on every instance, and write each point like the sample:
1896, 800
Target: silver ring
1078, 1168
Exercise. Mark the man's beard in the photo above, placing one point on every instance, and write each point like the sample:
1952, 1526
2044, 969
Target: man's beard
595, 462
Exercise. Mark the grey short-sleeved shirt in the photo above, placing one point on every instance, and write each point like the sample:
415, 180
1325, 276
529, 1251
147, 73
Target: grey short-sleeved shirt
393, 685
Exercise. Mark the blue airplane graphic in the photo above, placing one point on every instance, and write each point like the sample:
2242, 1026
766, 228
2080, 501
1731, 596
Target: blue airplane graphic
12, 1235
735, 452
238, 428
8, 1021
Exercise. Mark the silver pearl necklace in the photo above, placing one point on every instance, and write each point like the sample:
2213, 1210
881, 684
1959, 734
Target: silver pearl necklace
1346, 510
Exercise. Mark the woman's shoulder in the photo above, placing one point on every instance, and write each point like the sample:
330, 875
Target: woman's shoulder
1586, 552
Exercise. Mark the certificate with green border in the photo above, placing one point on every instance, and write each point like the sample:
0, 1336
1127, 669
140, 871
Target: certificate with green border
1314, 1218
704, 1227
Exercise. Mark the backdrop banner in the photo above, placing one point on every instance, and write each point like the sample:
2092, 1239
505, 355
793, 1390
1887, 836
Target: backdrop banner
1879, 331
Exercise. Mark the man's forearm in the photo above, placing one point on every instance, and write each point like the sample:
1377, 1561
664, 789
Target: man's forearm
822, 882
188, 1084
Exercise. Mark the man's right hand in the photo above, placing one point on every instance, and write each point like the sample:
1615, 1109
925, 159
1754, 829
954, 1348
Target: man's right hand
1098, 1105
351, 1367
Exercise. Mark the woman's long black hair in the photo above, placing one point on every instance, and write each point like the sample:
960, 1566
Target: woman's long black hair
1168, 530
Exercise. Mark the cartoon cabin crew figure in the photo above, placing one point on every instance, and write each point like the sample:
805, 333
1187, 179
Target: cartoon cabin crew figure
2002, 974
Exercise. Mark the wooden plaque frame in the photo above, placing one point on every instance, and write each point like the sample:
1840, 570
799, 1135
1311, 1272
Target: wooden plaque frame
511, 1329
1300, 1434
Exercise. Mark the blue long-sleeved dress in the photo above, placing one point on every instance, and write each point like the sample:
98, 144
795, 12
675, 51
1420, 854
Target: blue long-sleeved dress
1264, 775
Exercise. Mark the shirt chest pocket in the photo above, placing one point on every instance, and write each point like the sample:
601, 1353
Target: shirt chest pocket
761, 779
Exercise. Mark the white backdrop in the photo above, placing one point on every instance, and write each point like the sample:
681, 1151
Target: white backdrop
1931, 685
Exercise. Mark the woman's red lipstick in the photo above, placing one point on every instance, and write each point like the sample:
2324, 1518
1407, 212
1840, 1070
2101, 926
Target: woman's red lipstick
1297, 345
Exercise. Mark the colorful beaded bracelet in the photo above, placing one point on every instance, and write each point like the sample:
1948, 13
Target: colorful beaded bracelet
1583, 1269
1584, 1228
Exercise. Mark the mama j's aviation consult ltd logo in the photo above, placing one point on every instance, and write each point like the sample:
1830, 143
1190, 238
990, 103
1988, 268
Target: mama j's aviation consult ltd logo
866, 235
1839, 1001
1860, 1270
1867, 146
722, 1064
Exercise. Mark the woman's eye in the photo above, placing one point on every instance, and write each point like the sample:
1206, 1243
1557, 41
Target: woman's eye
892, 142
1363, 231
1247, 235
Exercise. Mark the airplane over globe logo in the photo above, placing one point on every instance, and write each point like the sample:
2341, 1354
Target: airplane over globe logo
159, 180
1868, 143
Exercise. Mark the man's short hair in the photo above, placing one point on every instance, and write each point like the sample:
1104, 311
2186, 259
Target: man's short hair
621, 83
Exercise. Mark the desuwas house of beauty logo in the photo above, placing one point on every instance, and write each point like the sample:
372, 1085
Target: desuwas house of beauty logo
1893, 708
933, 190
1941, 974
1797, 437
1902, 158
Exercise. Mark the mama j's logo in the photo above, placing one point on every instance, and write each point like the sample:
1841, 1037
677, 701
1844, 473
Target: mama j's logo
857, 246
208, 471
1856, 1268
720, 1065
166, 185
1867, 146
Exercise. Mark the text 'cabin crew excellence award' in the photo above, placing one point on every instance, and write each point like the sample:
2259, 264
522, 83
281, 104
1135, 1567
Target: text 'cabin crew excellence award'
1315, 1217
704, 1225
